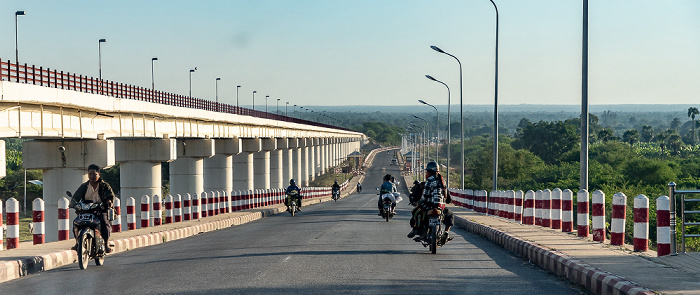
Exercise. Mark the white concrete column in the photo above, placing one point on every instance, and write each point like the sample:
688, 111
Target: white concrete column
326, 155
318, 157
187, 172
262, 163
276, 166
64, 170
287, 159
218, 170
297, 162
312, 158
305, 163
243, 176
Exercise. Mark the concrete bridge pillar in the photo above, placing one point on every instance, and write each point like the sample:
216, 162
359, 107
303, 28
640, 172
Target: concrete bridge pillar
304, 146
243, 175
311, 143
218, 170
262, 163
317, 156
140, 166
187, 172
297, 161
326, 154
64, 170
277, 178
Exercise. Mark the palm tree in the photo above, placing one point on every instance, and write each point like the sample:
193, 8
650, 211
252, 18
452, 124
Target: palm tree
691, 113
606, 134
631, 136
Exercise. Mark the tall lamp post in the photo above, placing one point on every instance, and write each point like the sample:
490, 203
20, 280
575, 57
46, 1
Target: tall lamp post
495, 110
461, 113
278, 106
422, 143
191, 71
99, 57
266, 97
217, 92
254, 92
437, 132
153, 83
237, 87
17, 13
427, 138
448, 124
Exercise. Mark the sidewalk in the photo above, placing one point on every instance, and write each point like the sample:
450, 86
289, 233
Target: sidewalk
31, 259
601, 268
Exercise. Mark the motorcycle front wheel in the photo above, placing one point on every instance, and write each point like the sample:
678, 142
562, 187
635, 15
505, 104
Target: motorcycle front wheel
433, 240
84, 245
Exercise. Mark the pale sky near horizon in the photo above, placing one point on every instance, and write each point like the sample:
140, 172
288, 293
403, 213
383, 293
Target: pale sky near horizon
369, 52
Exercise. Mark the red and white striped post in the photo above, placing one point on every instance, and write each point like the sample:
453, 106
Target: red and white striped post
582, 213
510, 196
117, 222
235, 199
223, 202
663, 226
529, 208
177, 208
212, 204
492, 200
12, 223
598, 213
518, 213
187, 207
145, 211
168, 209
63, 222
617, 223
567, 214
547, 208
195, 206
204, 208
538, 207
157, 211
641, 223
39, 228
556, 208
130, 217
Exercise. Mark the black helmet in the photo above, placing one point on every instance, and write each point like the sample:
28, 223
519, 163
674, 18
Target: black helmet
432, 166
336, 182
292, 182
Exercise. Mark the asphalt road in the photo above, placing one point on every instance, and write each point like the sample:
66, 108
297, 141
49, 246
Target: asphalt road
336, 247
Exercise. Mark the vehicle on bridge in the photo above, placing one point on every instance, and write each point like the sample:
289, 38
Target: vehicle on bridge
90, 242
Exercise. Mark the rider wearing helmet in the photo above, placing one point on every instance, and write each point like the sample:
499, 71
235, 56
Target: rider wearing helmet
434, 184
387, 187
290, 191
335, 187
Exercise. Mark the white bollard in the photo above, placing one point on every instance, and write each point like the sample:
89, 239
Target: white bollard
518, 214
2, 238
130, 217
556, 208
157, 211
567, 212
663, 226
195, 206
63, 221
641, 223
145, 211
529, 208
617, 223
582, 213
177, 208
39, 229
117, 222
547, 208
168, 209
12, 223
598, 212
187, 207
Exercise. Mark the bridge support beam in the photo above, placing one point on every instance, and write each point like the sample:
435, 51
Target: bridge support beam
140, 166
284, 145
304, 147
277, 164
218, 170
243, 175
311, 147
297, 160
262, 163
64, 170
187, 172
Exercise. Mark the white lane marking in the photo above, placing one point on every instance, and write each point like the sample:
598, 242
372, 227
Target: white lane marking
286, 259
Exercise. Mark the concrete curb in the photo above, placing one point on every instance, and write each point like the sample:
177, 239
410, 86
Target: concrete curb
10, 270
595, 280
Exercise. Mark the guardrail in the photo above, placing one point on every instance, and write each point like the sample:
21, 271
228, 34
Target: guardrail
53, 78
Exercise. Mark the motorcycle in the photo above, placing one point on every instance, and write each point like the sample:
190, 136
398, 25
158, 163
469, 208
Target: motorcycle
90, 242
434, 235
292, 202
388, 201
359, 188
336, 195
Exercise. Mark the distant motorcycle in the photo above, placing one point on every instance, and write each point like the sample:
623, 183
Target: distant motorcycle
388, 201
291, 202
336, 195
434, 235
90, 242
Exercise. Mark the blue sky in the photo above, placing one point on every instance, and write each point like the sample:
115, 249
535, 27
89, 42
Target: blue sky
364, 52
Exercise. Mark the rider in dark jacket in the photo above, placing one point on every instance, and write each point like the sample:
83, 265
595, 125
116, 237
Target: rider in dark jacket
290, 189
335, 187
434, 184
387, 187
98, 191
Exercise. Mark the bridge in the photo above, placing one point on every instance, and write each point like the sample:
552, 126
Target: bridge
75, 121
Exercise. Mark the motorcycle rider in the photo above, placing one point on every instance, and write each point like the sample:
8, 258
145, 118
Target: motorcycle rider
335, 187
359, 187
96, 190
387, 187
293, 187
434, 184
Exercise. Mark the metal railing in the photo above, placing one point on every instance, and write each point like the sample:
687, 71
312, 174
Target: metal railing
684, 215
22, 73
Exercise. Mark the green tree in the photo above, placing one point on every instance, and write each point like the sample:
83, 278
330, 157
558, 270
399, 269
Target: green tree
606, 134
676, 124
548, 140
631, 136
692, 112
647, 133
648, 172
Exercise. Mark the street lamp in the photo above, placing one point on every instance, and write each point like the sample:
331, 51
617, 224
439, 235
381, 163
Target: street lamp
217, 92
17, 13
448, 122
278, 106
153, 84
266, 97
237, 87
191, 71
427, 136
495, 110
254, 92
99, 56
583, 181
422, 143
295, 109
437, 130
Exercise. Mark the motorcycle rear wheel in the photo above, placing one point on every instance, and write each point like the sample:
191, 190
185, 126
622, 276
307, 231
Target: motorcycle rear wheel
84, 245
387, 215
433, 241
